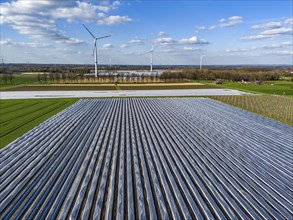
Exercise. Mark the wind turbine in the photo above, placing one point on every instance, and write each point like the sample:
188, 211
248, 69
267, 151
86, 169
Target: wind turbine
95, 48
152, 57
200, 66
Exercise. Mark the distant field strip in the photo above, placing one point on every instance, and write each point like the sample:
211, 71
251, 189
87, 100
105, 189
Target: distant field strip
276, 107
147, 158
165, 86
19, 116
65, 87
77, 87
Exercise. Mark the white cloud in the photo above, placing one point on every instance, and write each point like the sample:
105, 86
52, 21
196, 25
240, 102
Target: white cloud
223, 23
229, 22
70, 40
5, 42
263, 49
38, 18
82, 11
277, 45
114, 19
9, 42
136, 41
280, 52
268, 25
200, 28
124, 46
287, 43
193, 40
289, 21
241, 49
256, 37
272, 33
212, 27
163, 34
107, 46
191, 48
277, 31
272, 29
274, 24
169, 41
164, 41
235, 18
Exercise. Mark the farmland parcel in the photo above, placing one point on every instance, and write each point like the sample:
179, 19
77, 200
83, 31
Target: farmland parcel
19, 116
148, 159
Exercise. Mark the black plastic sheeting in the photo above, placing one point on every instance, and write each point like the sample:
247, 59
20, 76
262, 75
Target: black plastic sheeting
149, 158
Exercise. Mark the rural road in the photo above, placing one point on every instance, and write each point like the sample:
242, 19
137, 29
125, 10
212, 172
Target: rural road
117, 93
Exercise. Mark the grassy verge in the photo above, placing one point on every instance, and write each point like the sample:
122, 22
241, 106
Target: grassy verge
269, 87
275, 107
117, 87
19, 116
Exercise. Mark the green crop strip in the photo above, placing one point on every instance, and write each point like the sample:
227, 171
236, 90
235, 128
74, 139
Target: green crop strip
19, 116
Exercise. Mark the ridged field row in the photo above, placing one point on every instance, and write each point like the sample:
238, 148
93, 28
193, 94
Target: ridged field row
149, 158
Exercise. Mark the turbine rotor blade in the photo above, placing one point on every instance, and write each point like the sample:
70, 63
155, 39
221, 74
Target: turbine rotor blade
89, 31
98, 38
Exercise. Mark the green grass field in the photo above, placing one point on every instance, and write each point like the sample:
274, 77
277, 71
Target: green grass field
270, 87
18, 81
19, 116
275, 107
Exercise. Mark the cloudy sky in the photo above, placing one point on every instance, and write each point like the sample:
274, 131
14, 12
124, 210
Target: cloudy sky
226, 32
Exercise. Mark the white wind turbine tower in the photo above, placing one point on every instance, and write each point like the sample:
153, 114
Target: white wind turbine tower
200, 65
152, 57
95, 48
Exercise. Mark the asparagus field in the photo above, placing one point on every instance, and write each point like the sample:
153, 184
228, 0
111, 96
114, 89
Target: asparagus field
149, 158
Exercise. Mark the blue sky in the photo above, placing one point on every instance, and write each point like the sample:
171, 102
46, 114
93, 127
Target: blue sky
226, 32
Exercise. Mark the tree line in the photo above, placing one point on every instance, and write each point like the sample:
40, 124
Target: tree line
7, 78
121, 77
230, 75
180, 75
